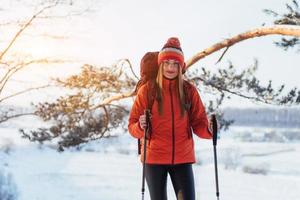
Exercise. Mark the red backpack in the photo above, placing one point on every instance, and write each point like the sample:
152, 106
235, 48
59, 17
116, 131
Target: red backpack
148, 72
148, 69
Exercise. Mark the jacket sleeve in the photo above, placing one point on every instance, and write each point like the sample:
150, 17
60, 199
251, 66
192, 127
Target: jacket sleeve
137, 110
199, 121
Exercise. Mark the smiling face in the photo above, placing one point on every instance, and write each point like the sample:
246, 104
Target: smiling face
170, 69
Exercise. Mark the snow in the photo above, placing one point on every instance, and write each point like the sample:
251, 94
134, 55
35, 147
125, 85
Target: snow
110, 169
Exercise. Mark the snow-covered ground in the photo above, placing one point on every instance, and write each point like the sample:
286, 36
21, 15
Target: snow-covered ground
110, 169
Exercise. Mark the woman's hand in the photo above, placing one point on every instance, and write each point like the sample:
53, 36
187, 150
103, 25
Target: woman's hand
210, 125
142, 121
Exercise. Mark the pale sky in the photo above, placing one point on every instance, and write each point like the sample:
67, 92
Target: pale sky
128, 29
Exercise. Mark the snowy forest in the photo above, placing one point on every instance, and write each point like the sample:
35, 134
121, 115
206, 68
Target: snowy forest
68, 76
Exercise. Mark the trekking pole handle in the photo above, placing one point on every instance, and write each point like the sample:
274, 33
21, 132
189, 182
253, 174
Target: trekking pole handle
215, 128
147, 114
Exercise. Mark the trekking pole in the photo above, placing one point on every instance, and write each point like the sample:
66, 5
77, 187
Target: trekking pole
215, 136
147, 113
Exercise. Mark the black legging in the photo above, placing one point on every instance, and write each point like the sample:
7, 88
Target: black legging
182, 179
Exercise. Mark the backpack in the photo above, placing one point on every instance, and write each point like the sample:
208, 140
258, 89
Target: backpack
148, 69
148, 72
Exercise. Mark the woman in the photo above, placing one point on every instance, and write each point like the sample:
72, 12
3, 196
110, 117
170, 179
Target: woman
170, 149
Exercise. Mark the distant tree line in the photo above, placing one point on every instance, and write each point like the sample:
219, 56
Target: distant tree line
283, 117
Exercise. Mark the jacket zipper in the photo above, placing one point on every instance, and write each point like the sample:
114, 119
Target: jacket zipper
173, 133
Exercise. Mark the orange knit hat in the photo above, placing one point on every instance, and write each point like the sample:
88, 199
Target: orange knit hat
172, 50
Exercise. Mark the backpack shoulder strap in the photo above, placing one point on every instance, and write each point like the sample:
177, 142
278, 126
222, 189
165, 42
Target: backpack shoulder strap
151, 94
187, 88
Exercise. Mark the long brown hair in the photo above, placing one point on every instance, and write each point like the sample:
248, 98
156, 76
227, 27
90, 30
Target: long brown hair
179, 86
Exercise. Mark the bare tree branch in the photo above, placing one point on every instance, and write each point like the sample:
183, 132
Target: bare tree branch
130, 65
20, 66
50, 36
6, 118
222, 90
7, 76
106, 122
275, 30
24, 91
78, 13
12, 23
115, 98
222, 55
25, 27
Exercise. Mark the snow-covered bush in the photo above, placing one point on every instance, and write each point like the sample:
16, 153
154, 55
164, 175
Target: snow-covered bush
273, 136
265, 136
292, 135
8, 188
257, 169
6, 145
231, 158
244, 137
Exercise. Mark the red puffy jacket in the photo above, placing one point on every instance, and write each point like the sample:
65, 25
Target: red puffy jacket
170, 142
